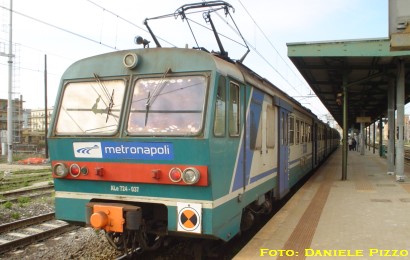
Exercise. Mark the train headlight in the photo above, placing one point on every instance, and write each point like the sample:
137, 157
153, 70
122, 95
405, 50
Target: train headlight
175, 174
60, 170
75, 170
130, 60
190, 176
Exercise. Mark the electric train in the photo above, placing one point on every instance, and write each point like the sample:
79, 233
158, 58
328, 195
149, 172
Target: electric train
156, 142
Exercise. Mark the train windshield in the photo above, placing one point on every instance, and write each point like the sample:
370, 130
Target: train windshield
91, 107
168, 106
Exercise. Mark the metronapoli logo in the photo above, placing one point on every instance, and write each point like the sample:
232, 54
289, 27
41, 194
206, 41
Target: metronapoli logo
87, 150
124, 150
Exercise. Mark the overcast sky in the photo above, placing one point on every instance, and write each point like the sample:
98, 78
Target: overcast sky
67, 31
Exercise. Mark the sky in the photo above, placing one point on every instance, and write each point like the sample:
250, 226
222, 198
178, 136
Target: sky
67, 31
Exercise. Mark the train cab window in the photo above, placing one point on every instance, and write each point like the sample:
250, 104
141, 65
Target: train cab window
309, 133
270, 127
91, 108
297, 131
291, 130
220, 108
234, 109
168, 106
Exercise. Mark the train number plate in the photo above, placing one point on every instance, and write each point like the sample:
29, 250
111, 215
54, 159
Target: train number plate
125, 188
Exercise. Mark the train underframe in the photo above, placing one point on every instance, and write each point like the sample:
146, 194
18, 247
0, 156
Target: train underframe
129, 227
139, 227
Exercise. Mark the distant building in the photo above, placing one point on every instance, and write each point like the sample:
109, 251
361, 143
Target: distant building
385, 131
37, 119
33, 135
17, 119
28, 127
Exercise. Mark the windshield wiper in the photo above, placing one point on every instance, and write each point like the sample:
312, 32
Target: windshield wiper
110, 105
110, 98
147, 107
157, 90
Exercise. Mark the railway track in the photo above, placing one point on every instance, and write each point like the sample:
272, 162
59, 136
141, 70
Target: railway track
19, 180
35, 192
27, 231
407, 153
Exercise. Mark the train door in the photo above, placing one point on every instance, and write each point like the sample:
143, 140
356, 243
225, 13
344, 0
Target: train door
236, 117
283, 160
284, 109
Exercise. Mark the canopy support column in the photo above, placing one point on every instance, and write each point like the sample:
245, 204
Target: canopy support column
391, 120
400, 121
380, 136
374, 137
368, 137
361, 138
345, 130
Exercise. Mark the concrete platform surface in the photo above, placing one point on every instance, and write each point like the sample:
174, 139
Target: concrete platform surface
366, 217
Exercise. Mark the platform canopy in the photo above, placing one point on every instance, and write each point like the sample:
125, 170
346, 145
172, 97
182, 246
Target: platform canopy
364, 66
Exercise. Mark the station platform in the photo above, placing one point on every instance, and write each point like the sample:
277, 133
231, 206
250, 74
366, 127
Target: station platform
366, 216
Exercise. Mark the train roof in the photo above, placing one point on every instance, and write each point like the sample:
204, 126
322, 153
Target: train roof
262, 83
153, 60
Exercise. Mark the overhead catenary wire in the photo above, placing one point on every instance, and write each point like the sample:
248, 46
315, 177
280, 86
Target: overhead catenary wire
59, 28
129, 22
269, 41
297, 76
119, 17
246, 42
31, 69
256, 51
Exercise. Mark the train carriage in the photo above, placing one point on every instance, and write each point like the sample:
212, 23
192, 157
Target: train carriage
300, 145
148, 143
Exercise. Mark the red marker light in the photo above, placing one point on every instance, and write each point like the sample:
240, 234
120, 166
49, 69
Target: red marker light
175, 174
75, 170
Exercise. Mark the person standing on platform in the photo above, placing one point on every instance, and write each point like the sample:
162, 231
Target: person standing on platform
354, 143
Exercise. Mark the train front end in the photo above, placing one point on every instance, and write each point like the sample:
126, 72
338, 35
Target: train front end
129, 145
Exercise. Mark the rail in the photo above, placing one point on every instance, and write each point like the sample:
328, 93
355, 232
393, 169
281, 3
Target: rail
28, 231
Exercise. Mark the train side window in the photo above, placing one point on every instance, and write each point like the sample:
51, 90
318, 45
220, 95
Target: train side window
220, 108
285, 128
302, 132
270, 127
320, 133
297, 131
309, 134
291, 130
255, 126
305, 139
234, 109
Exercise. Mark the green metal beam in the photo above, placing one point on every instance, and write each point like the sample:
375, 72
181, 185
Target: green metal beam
352, 48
